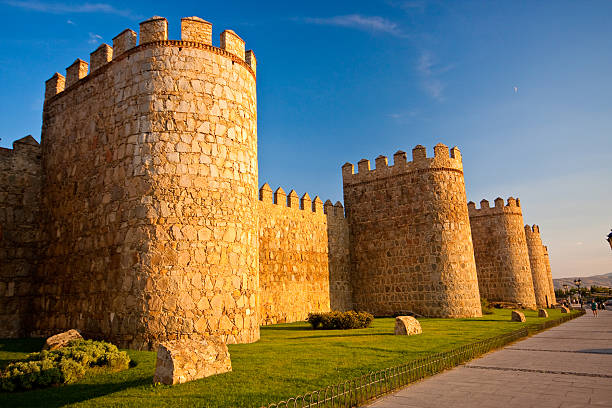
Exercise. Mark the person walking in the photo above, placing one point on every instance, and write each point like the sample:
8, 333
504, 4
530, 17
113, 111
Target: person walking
594, 308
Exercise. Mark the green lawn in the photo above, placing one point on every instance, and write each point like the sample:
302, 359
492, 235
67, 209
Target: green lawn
289, 359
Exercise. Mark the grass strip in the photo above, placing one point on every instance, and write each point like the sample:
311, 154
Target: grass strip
288, 360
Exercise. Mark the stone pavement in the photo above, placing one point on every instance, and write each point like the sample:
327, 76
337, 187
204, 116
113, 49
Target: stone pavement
567, 366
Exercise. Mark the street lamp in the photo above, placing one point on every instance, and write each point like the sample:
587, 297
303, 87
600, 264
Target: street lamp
577, 282
566, 291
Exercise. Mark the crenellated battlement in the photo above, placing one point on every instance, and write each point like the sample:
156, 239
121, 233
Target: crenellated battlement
20, 235
443, 159
195, 33
512, 206
401, 215
538, 263
500, 252
24, 146
163, 133
532, 229
292, 200
334, 210
180, 117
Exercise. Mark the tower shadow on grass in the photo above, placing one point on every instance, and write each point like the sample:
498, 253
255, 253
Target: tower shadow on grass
60, 396
23, 345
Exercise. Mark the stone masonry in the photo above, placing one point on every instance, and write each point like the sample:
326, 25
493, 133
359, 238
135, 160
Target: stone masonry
150, 193
340, 286
411, 245
551, 286
500, 250
19, 233
180, 361
293, 256
537, 261
138, 218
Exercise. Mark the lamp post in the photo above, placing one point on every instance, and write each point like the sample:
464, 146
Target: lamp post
566, 292
577, 282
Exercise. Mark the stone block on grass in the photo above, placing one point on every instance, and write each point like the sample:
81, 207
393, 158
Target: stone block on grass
518, 316
62, 339
184, 360
407, 326
542, 313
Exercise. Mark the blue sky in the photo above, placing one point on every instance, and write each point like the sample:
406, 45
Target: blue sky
522, 87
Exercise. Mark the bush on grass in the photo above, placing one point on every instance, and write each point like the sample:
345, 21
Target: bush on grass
62, 366
486, 306
340, 320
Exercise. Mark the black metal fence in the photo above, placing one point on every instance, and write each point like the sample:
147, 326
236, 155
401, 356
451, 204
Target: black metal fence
352, 393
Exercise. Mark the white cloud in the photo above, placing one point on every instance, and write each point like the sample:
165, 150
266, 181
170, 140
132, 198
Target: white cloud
360, 22
425, 63
94, 38
434, 88
429, 71
64, 8
70, 22
403, 117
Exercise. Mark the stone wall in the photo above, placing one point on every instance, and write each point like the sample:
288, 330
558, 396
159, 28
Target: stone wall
500, 250
340, 287
150, 194
19, 234
411, 246
539, 275
293, 256
551, 286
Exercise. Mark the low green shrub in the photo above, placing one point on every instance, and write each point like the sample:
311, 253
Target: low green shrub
62, 366
340, 320
485, 306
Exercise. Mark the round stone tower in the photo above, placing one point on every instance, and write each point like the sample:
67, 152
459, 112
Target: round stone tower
537, 260
500, 250
551, 284
154, 221
203, 152
410, 240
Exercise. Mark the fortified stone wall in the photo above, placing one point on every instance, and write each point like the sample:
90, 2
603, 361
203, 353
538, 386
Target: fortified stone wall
19, 234
138, 218
293, 256
500, 250
551, 286
411, 245
150, 190
340, 286
537, 261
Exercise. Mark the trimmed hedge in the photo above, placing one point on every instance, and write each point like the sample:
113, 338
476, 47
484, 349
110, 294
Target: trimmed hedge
340, 320
62, 366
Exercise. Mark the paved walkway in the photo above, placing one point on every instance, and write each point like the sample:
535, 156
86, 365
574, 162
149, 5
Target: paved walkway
567, 366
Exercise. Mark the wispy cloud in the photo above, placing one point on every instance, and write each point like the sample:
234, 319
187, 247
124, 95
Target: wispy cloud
359, 22
94, 38
66, 8
70, 22
430, 71
403, 117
